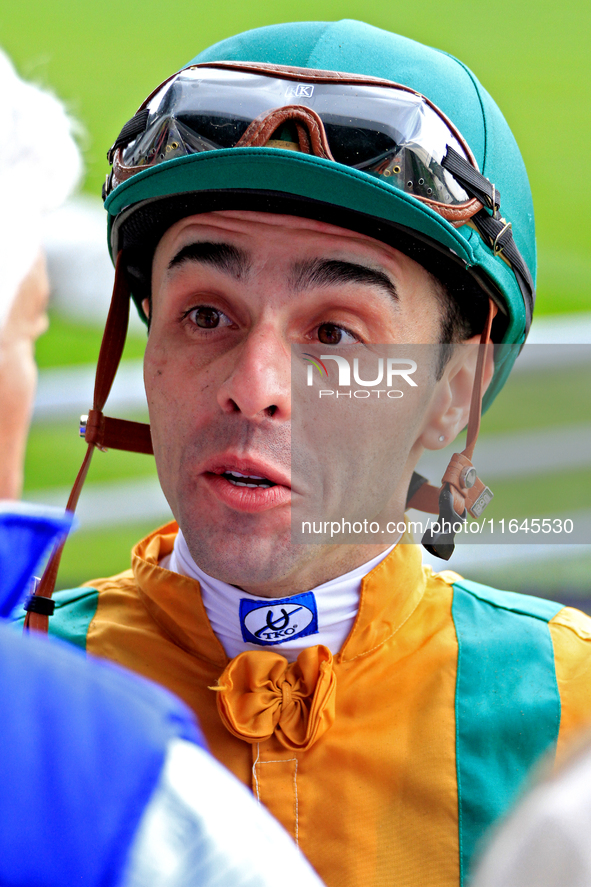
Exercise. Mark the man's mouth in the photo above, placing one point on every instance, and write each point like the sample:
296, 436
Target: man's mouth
248, 480
246, 484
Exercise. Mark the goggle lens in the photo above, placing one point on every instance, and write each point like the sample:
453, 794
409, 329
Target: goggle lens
387, 132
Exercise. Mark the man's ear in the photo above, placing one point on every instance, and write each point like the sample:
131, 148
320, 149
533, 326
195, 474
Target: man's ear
146, 307
450, 406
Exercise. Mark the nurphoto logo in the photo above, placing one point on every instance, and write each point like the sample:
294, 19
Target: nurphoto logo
314, 362
389, 371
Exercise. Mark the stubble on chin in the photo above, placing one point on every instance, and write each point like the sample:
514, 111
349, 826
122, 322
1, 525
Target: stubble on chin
246, 558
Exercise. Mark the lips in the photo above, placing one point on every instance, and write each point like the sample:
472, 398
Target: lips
247, 468
246, 485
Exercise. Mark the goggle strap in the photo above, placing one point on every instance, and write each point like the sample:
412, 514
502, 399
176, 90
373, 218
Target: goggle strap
494, 230
130, 131
471, 180
497, 233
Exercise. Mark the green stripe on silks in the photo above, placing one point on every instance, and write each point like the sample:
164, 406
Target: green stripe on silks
74, 611
507, 702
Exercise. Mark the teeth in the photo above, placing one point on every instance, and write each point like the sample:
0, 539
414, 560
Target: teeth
238, 483
247, 480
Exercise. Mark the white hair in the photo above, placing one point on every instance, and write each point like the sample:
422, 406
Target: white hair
40, 165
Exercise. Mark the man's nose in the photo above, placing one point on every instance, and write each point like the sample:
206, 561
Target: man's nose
259, 382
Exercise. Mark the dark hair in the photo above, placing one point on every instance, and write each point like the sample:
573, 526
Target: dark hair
463, 315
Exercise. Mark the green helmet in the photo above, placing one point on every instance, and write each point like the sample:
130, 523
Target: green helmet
488, 253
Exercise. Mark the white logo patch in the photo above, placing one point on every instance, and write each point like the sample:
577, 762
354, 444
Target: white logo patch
268, 623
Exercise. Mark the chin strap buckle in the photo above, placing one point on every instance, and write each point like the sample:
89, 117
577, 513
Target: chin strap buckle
462, 493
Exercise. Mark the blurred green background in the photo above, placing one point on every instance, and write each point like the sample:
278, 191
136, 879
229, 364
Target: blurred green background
104, 60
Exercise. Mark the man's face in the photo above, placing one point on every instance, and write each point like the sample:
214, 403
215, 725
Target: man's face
231, 293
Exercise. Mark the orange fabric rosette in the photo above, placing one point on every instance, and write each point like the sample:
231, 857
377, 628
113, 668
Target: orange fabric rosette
260, 694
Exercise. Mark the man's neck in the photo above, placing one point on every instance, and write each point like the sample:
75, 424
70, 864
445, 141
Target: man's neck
332, 561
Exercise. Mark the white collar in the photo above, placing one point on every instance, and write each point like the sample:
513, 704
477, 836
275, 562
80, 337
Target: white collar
324, 615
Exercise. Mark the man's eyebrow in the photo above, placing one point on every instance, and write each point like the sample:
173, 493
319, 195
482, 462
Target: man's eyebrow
331, 272
223, 256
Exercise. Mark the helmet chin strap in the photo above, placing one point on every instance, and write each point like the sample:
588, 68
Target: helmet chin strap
461, 489
99, 431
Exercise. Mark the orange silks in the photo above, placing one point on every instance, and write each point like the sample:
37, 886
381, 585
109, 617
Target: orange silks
260, 694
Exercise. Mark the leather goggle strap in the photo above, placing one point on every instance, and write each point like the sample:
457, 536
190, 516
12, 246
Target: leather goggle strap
426, 498
101, 431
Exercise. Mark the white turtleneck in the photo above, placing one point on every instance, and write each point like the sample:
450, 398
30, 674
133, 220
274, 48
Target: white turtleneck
287, 625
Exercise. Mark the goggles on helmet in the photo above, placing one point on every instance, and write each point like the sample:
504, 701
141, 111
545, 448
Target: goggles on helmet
380, 128
385, 130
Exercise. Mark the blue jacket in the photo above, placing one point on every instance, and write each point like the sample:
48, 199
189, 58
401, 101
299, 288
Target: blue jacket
82, 747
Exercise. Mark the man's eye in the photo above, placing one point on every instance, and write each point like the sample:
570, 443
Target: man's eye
331, 334
207, 318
